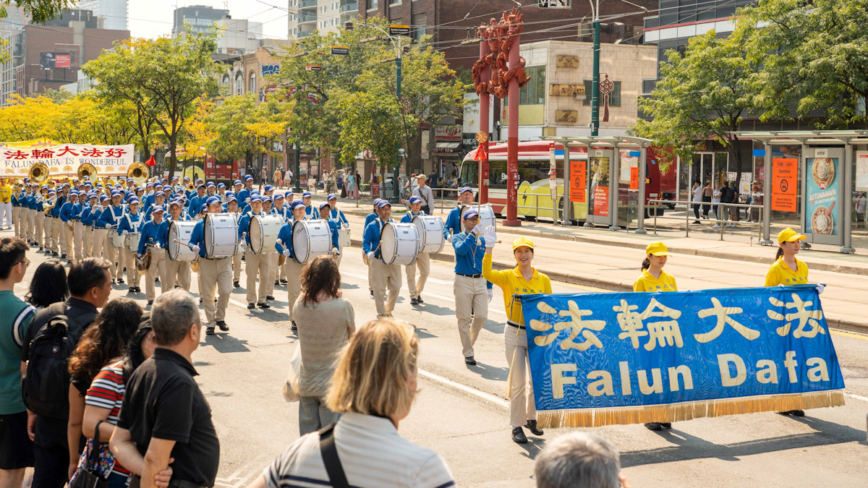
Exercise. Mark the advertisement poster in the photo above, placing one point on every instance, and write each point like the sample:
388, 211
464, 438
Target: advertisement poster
578, 176
784, 184
820, 215
634, 178
628, 163
601, 201
861, 170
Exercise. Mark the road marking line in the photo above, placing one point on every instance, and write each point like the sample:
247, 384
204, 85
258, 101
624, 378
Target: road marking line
857, 397
847, 334
467, 389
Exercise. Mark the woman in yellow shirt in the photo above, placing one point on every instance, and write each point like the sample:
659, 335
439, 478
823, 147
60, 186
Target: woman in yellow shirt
522, 280
787, 270
654, 279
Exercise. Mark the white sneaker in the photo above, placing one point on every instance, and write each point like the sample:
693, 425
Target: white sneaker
716, 226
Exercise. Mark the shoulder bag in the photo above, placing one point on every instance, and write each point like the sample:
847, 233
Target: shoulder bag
330, 458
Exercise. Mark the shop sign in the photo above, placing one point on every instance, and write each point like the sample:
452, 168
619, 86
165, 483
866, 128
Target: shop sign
784, 184
448, 132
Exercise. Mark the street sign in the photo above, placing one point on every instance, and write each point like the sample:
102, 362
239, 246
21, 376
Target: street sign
341, 50
313, 67
399, 30
554, 3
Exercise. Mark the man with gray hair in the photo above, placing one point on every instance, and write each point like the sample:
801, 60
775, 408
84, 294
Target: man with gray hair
579, 460
164, 414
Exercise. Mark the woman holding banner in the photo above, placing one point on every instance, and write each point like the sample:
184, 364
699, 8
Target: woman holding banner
524, 279
654, 279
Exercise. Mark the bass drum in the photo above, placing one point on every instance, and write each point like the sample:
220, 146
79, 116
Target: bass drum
221, 235
344, 237
180, 231
399, 243
310, 238
486, 216
263, 233
132, 241
430, 231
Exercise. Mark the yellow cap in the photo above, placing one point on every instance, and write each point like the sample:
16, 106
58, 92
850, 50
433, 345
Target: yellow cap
657, 249
789, 235
522, 242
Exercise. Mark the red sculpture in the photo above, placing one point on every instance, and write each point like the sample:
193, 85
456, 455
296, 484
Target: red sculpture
500, 36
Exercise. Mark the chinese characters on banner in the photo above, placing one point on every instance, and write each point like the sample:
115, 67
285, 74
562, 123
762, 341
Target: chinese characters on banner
784, 184
578, 175
64, 159
622, 350
601, 201
634, 178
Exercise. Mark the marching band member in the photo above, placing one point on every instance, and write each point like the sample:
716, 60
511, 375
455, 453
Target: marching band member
324, 211
453, 223
159, 201
279, 272
221, 192
383, 275
232, 207
215, 275
236, 188
257, 264
196, 201
154, 235
654, 279
176, 271
111, 218
423, 260
338, 217
309, 212
284, 246
100, 229
244, 195
78, 225
210, 190
131, 223
68, 223
30, 201
87, 216
39, 218
268, 281
370, 218
471, 301
522, 280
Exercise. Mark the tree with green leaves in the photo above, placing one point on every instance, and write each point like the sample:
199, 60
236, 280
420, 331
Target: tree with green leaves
814, 56
370, 122
702, 96
242, 129
57, 96
162, 77
39, 12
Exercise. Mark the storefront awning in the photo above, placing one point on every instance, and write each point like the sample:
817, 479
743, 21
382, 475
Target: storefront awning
447, 146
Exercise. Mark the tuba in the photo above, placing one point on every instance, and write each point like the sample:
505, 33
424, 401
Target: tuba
144, 263
139, 172
38, 173
88, 171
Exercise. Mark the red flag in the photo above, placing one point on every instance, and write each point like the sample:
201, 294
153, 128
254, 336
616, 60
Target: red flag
480, 154
151, 161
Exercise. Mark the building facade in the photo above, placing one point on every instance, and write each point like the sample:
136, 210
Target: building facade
200, 18
115, 13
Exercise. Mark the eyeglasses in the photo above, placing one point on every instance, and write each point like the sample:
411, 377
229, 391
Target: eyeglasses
26, 262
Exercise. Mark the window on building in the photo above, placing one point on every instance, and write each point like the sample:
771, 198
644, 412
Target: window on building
393, 2
372, 4
614, 97
239, 84
252, 88
419, 23
534, 93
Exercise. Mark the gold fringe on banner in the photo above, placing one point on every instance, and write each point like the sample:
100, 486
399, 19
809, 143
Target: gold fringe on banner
677, 412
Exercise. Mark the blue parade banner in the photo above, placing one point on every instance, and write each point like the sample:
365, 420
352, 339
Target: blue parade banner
622, 358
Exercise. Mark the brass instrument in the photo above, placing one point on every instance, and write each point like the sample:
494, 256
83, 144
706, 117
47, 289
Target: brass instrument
47, 208
191, 186
87, 170
139, 172
38, 173
144, 263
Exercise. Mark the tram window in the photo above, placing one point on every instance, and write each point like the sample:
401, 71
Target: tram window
530, 171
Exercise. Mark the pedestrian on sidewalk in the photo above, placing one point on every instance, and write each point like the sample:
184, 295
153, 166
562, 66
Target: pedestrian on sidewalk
756, 198
697, 198
48, 285
653, 279
326, 322
373, 389
524, 279
370, 218
424, 192
715, 200
707, 194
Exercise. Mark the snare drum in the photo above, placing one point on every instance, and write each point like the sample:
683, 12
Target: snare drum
181, 231
132, 241
344, 237
430, 231
310, 238
117, 239
399, 243
486, 216
221, 235
263, 233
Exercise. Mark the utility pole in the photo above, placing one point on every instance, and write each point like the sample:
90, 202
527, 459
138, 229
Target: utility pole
595, 84
396, 190
297, 177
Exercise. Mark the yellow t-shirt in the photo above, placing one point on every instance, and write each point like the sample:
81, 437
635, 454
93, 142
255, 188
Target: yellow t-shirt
513, 283
647, 282
781, 274
5, 193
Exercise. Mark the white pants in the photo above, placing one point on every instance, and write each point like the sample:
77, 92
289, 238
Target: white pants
6, 213
110, 252
176, 271
100, 240
471, 299
272, 273
522, 406
87, 242
78, 240
67, 238
39, 222
236, 267
257, 265
385, 276
28, 216
157, 258
215, 277
16, 220
423, 263
133, 275
293, 286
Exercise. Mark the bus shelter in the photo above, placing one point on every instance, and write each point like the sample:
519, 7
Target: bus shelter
613, 171
815, 181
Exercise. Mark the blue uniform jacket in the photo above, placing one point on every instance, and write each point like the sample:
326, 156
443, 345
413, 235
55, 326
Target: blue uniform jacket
111, 216
453, 221
469, 251
55, 212
243, 195
371, 237
131, 223
77, 209
284, 238
66, 212
338, 216
244, 226
153, 233
198, 238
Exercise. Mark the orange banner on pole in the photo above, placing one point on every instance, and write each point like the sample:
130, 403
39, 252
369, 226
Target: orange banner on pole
634, 178
785, 173
577, 181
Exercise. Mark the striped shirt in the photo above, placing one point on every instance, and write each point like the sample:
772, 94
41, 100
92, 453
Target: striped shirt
372, 454
107, 392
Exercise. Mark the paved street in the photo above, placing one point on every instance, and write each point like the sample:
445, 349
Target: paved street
461, 411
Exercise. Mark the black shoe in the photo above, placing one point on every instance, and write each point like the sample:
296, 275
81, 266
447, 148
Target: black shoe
419, 299
654, 426
251, 306
236, 285
372, 293
794, 413
120, 280
200, 300
113, 281
156, 280
269, 297
263, 305
666, 425
284, 282
531, 426
469, 360
150, 302
276, 282
294, 327
414, 301
63, 256
222, 325
40, 248
209, 331
518, 436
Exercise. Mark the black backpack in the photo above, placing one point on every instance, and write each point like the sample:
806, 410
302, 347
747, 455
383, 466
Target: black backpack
46, 385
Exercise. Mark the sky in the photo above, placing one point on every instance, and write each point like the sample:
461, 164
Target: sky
153, 18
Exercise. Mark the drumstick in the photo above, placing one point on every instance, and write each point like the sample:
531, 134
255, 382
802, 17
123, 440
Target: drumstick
184, 243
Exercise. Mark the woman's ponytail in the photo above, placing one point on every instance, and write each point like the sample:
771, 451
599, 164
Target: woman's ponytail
780, 253
646, 264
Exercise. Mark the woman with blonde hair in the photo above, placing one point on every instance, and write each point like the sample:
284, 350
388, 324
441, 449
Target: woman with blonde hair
373, 389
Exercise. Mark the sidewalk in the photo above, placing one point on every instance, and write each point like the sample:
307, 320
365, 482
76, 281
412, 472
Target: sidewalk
610, 260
